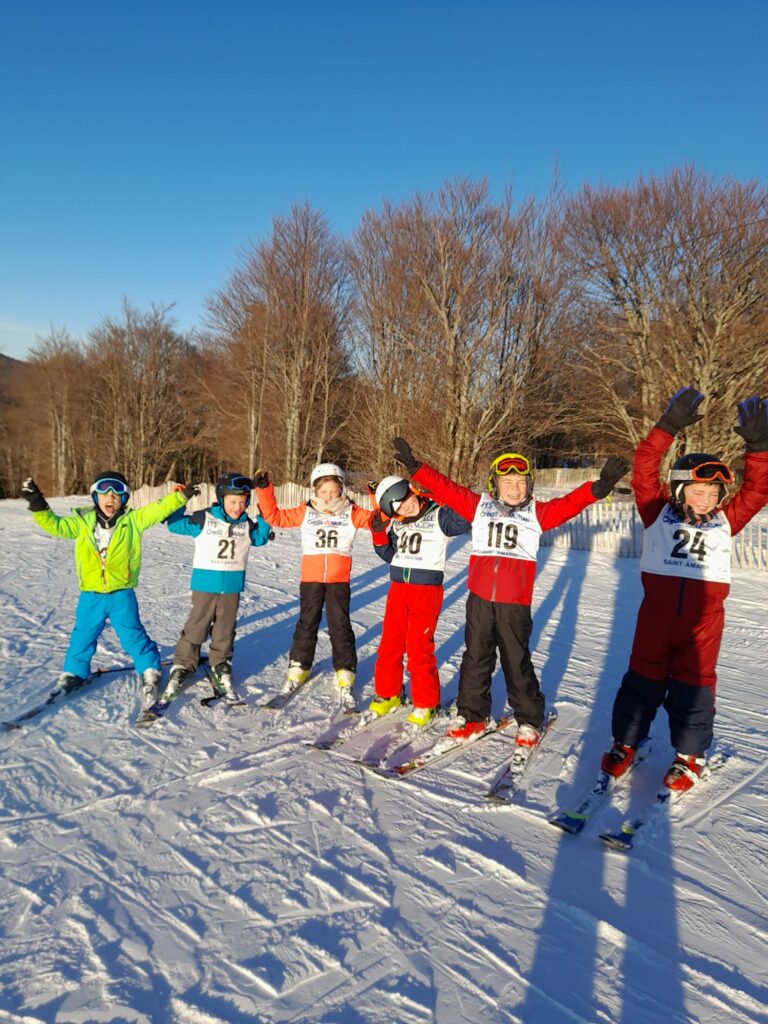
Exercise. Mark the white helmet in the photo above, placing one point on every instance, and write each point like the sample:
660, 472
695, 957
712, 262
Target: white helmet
326, 469
391, 493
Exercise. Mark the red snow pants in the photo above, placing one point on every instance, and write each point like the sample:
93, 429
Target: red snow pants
410, 618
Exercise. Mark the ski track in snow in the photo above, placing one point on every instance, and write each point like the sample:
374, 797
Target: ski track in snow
212, 868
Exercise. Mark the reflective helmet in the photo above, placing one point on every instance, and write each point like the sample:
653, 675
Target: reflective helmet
233, 483
326, 469
391, 493
697, 467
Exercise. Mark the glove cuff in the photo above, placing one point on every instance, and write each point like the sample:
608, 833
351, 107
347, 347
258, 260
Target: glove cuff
668, 427
37, 504
600, 489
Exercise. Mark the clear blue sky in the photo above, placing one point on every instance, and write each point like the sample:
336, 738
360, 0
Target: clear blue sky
145, 143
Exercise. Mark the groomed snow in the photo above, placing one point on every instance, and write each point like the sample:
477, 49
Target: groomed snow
214, 869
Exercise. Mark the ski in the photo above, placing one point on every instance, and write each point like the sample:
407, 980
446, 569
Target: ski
398, 738
504, 789
658, 808
282, 699
60, 693
573, 821
443, 748
347, 729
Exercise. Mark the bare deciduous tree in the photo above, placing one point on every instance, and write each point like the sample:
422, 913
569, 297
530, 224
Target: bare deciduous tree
674, 272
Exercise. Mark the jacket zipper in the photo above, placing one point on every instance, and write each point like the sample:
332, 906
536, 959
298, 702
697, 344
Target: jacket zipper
680, 594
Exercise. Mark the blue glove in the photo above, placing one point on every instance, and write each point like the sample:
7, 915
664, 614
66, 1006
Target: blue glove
753, 423
681, 411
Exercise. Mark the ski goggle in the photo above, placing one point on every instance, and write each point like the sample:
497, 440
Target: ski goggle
238, 485
707, 472
107, 484
510, 462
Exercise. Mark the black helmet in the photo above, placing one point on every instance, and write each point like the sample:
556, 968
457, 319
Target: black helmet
698, 467
234, 483
110, 481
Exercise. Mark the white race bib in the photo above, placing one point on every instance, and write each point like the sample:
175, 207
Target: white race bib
222, 546
673, 548
327, 535
420, 545
515, 534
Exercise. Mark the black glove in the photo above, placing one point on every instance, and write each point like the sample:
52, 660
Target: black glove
190, 491
34, 496
753, 423
377, 523
681, 411
261, 479
614, 469
405, 456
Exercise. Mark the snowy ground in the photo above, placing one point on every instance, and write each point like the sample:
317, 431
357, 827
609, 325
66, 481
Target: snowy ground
215, 869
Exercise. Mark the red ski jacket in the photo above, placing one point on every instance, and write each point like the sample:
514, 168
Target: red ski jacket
505, 580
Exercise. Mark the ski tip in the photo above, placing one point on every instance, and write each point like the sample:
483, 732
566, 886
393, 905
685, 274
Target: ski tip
617, 841
495, 798
567, 824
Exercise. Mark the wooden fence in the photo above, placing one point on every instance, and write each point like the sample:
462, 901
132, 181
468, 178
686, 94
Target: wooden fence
613, 527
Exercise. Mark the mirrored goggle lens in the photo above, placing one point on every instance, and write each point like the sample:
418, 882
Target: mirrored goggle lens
511, 464
107, 485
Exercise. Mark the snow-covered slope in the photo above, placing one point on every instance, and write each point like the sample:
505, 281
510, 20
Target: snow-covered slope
213, 868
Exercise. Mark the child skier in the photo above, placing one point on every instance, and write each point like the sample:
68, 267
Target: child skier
685, 567
415, 546
507, 522
107, 540
328, 524
223, 535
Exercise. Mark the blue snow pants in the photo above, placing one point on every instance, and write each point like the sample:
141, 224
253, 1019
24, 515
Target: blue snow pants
121, 609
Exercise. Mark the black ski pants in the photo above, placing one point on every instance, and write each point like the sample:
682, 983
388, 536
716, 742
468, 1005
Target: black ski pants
691, 711
335, 596
491, 625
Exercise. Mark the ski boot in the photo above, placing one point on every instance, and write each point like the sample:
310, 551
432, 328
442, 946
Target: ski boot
297, 676
345, 678
617, 760
421, 717
467, 731
221, 680
684, 772
527, 736
150, 687
381, 706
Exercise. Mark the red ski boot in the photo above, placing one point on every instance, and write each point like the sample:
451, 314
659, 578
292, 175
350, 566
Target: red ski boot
684, 772
616, 761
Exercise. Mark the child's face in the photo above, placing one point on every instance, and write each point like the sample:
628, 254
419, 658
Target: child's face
234, 505
329, 490
109, 503
409, 507
702, 497
512, 488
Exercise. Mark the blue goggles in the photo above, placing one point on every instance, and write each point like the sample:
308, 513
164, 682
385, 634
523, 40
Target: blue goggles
239, 485
107, 484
